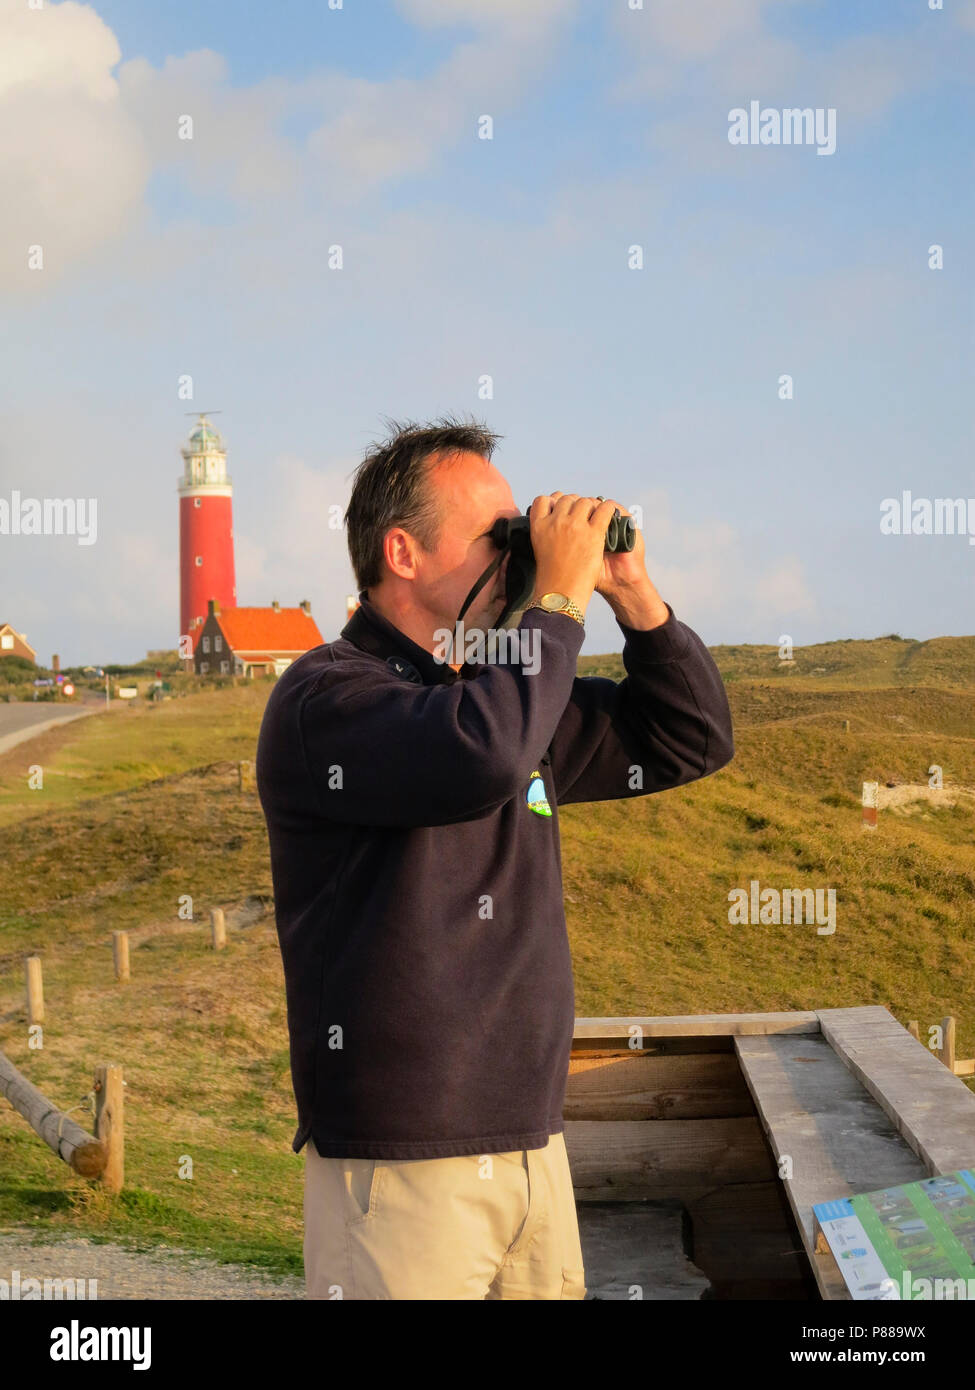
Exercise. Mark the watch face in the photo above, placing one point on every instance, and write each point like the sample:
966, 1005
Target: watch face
553, 602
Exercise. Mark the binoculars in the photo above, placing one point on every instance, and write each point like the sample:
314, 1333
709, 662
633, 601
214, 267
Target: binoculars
512, 536
620, 533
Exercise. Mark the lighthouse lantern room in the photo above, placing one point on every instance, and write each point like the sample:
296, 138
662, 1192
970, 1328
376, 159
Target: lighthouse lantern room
206, 536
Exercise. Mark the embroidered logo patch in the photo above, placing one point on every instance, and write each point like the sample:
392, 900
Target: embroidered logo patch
536, 797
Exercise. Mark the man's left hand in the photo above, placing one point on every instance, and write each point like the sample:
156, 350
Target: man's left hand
624, 582
625, 569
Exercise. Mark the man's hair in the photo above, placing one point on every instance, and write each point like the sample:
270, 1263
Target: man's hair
392, 488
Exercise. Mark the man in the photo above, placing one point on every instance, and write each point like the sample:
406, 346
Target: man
412, 811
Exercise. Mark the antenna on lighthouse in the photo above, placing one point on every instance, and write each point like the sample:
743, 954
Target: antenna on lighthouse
202, 413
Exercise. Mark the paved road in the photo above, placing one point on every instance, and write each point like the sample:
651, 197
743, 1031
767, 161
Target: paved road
20, 722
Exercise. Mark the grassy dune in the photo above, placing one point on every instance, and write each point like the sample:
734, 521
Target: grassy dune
141, 806
885, 661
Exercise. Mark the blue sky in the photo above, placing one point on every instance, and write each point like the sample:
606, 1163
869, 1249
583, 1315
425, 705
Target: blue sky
465, 257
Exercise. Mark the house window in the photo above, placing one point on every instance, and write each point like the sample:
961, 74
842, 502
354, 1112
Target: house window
197, 501
199, 559
218, 643
6, 642
224, 668
206, 644
204, 667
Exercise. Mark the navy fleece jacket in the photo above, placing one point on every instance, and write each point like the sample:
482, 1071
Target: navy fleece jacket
412, 814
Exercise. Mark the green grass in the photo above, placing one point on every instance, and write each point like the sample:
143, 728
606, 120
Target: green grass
131, 745
140, 807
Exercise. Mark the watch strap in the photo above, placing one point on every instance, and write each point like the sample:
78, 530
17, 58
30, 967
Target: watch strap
569, 608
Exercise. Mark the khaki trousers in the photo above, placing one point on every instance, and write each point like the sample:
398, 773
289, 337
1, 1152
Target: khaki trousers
473, 1227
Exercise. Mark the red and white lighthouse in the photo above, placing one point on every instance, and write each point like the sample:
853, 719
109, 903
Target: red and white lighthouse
206, 535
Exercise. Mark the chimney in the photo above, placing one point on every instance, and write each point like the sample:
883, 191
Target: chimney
213, 607
305, 606
55, 663
275, 605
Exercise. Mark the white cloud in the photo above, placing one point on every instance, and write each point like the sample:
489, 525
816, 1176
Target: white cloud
78, 143
72, 164
668, 40
234, 148
713, 578
697, 29
362, 133
862, 76
296, 553
511, 14
56, 50
716, 52
390, 130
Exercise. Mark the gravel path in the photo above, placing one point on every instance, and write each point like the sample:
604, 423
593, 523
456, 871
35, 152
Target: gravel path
164, 1273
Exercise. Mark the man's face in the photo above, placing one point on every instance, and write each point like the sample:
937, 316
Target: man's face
473, 495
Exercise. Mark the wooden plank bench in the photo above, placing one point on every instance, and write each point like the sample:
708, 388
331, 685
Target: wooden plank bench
861, 1107
700, 1109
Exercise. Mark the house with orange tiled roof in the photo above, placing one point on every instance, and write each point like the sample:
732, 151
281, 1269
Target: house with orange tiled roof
252, 641
14, 643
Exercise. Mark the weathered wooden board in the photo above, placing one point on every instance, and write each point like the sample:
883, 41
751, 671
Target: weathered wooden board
636, 1086
698, 1025
636, 1252
931, 1108
746, 1233
626, 1160
817, 1114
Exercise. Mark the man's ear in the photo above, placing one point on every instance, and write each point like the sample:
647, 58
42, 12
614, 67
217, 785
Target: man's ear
399, 552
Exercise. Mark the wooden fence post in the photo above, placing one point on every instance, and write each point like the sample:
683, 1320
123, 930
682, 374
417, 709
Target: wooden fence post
218, 928
35, 990
120, 954
871, 793
245, 776
947, 1053
110, 1122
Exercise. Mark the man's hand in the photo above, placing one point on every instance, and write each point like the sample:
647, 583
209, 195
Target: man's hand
625, 585
624, 569
569, 537
568, 533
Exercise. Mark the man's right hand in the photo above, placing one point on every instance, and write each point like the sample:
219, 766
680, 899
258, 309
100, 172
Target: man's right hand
568, 535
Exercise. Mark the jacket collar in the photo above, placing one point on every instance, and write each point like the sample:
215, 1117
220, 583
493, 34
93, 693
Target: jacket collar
371, 632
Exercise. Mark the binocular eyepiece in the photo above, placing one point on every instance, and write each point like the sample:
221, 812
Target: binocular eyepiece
620, 533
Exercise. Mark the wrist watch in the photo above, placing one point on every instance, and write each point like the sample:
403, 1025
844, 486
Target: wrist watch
557, 603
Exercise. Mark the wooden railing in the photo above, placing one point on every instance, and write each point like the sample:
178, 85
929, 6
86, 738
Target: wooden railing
98, 1155
958, 1066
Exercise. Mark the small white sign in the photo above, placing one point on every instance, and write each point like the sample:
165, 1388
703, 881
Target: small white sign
859, 1263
